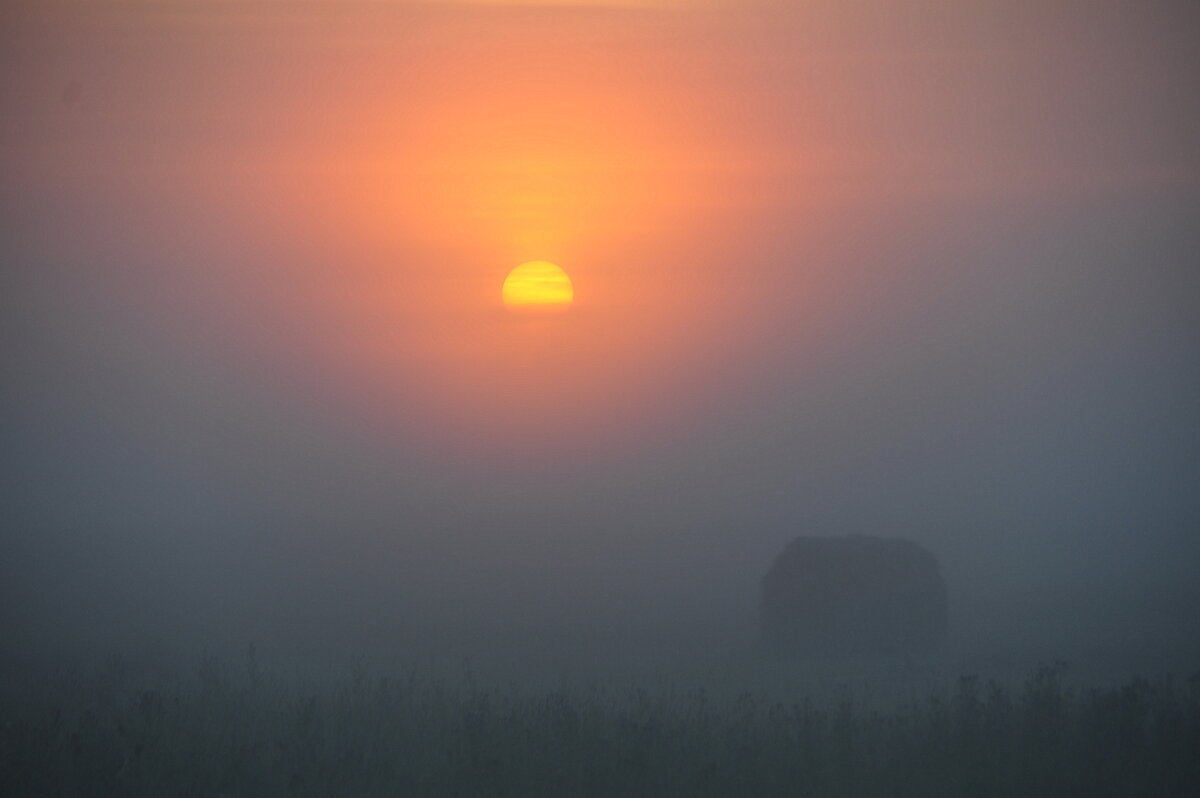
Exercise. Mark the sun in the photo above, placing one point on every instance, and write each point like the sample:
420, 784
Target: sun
537, 287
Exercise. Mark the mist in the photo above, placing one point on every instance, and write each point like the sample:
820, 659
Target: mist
928, 273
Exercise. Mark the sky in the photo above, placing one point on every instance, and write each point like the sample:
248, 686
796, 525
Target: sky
927, 271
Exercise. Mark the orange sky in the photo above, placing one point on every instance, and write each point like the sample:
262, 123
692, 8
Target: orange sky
923, 268
386, 164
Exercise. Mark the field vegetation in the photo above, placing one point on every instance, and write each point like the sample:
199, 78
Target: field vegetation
239, 732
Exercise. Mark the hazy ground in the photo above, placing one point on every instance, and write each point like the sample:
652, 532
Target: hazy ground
242, 730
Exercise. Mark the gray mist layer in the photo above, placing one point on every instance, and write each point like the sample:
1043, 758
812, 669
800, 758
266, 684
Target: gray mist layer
1023, 400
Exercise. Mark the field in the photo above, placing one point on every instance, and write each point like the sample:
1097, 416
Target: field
240, 732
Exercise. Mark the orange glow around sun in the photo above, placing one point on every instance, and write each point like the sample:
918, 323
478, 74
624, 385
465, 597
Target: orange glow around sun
435, 178
537, 287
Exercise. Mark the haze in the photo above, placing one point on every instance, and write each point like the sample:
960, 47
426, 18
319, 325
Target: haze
926, 272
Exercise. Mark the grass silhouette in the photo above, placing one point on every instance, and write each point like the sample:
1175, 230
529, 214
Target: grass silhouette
227, 732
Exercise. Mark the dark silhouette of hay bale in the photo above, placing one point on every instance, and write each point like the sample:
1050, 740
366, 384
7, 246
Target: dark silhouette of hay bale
853, 596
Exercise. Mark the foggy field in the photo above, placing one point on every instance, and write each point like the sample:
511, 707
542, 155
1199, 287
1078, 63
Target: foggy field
653, 397
226, 732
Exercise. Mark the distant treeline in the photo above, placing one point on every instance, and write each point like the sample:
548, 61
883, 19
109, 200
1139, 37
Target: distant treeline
243, 734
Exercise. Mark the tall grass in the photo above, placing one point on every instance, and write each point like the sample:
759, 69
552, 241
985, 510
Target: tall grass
240, 733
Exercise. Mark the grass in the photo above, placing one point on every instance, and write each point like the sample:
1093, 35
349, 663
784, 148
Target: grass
226, 733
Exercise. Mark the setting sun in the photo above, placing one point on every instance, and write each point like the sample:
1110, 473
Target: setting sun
538, 286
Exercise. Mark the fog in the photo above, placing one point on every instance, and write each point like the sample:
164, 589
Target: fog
931, 274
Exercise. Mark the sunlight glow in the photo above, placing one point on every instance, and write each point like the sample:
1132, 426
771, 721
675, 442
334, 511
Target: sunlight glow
538, 286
